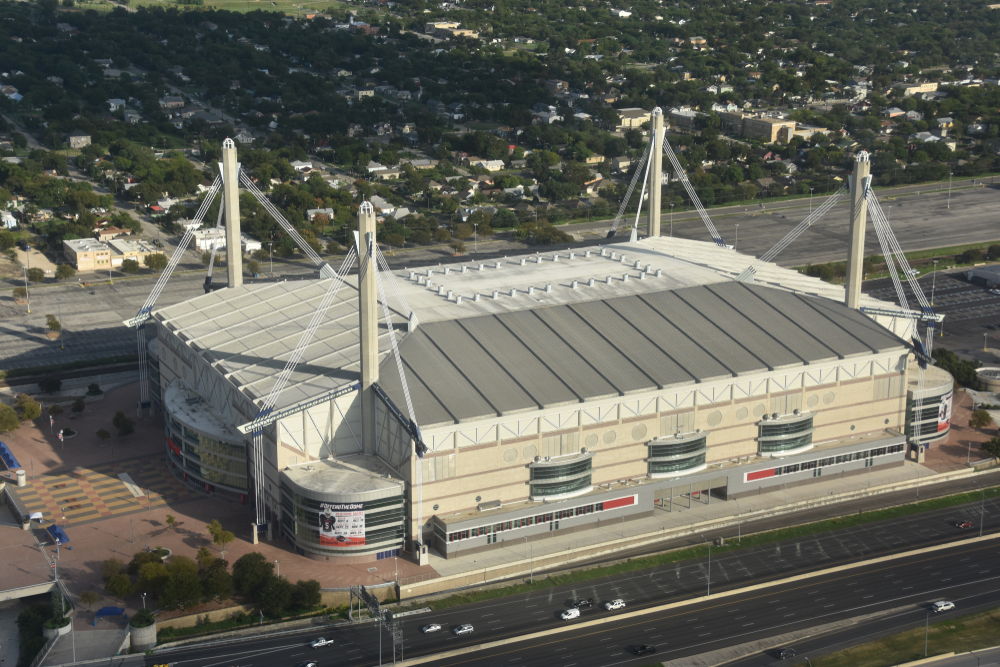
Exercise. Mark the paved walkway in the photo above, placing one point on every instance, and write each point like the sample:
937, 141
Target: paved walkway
80, 646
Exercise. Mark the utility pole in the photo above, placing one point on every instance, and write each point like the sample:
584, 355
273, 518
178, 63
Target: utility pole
950, 175
737, 241
934, 281
26, 295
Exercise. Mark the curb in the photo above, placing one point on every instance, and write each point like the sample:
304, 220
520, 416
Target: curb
683, 603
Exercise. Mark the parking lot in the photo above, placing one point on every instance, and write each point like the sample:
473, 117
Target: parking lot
971, 311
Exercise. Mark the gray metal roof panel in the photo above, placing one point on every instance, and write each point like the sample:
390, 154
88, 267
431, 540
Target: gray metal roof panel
869, 333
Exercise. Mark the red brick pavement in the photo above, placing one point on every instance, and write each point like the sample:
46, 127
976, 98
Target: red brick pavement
962, 443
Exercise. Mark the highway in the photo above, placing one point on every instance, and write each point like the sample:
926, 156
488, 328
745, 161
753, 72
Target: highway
683, 631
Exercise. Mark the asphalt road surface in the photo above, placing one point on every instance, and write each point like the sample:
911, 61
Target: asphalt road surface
688, 630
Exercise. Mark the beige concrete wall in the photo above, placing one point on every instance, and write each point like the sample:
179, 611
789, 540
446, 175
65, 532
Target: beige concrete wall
191, 620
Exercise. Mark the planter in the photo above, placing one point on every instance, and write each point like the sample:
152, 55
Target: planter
53, 335
143, 639
56, 632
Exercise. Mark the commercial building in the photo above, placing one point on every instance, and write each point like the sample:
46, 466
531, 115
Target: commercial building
633, 117
87, 254
205, 239
122, 249
552, 392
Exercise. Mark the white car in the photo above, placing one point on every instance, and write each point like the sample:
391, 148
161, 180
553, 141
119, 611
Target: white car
321, 642
463, 629
615, 604
433, 627
570, 614
942, 605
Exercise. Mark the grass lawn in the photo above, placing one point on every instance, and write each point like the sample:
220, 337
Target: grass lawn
960, 635
290, 7
634, 564
948, 252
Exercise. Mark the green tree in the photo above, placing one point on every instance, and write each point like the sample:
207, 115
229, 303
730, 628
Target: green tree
118, 419
51, 385
28, 408
110, 568
980, 419
55, 410
127, 427
458, 247
36, 275
205, 558
276, 596
130, 266
89, 598
79, 405
171, 521
155, 262
333, 248
65, 272
183, 588
6, 240
94, 389
102, 435
219, 535
153, 578
8, 419
992, 447
217, 582
253, 268
53, 323
119, 586
251, 572
142, 558
306, 594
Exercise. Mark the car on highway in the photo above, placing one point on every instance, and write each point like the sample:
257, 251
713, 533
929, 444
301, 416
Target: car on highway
463, 629
319, 643
644, 649
570, 614
942, 605
580, 604
433, 627
785, 653
306, 664
963, 524
615, 604
995, 292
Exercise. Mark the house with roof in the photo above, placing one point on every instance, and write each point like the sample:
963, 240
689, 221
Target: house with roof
78, 139
114, 104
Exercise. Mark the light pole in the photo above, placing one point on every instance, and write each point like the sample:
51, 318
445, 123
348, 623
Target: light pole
671, 221
949, 190
270, 260
708, 590
26, 296
132, 526
62, 346
984, 342
739, 522
475, 237
927, 627
736, 243
811, 200
934, 281
278, 566
143, 600
531, 562
982, 512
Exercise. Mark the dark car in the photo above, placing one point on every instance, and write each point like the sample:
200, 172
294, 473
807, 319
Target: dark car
580, 604
963, 524
23, 245
785, 653
645, 649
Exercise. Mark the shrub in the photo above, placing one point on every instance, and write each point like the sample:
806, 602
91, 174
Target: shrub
51, 385
20, 293
253, 268
458, 247
333, 248
119, 586
110, 568
8, 419
79, 405
53, 323
442, 235
102, 435
94, 389
156, 261
36, 275
395, 240
142, 558
130, 266
27, 407
65, 272
306, 594
55, 410
143, 618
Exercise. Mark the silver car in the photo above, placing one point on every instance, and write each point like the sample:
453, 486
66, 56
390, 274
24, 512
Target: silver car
433, 627
463, 629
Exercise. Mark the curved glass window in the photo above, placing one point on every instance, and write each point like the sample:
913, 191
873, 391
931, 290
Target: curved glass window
785, 435
208, 459
560, 488
571, 469
680, 465
662, 449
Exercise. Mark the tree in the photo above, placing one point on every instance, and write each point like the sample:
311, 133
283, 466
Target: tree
119, 586
182, 588
27, 407
20, 293
127, 427
8, 419
55, 410
458, 247
992, 447
205, 558
89, 598
111, 567
50, 385
153, 577
94, 389
117, 420
306, 594
53, 323
102, 435
130, 266
142, 558
36, 275
980, 419
79, 405
250, 572
253, 268
276, 596
217, 582
65, 272
333, 248
171, 521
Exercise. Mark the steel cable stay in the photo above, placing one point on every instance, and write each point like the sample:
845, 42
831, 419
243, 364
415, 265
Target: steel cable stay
628, 193
638, 209
669, 151
280, 219
384, 264
215, 247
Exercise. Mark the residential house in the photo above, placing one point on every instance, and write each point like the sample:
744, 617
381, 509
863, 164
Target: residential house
631, 117
132, 117
7, 220
313, 212
621, 164
114, 104
556, 86
171, 102
78, 139
244, 137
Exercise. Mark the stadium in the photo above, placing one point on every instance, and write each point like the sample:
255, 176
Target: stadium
554, 392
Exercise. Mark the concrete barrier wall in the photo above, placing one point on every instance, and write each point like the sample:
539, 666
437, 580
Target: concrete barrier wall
215, 616
334, 597
142, 639
27, 591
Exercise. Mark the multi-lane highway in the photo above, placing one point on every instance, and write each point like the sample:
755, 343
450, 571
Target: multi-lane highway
532, 612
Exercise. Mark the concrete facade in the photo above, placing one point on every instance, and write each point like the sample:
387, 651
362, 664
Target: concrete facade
87, 254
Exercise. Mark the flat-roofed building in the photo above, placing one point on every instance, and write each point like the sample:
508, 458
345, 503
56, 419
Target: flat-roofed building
87, 254
137, 250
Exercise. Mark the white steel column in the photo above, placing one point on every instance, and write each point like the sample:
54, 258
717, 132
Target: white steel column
231, 197
859, 181
368, 312
655, 170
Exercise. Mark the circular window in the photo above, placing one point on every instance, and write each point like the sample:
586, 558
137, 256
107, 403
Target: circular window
638, 431
829, 397
529, 452
759, 410
610, 437
436, 507
812, 401
479, 499
715, 417
510, 455
742, 413
591, 440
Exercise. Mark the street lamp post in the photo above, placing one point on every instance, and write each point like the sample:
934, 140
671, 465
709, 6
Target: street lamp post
475, 237
143, 600
278, 566
531, 560
708, 590
671, 221
982, 512
62, 346
736, 243
270, 261
934, 281
949, 189
739, 522
927, 627
27, 297
811, 200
